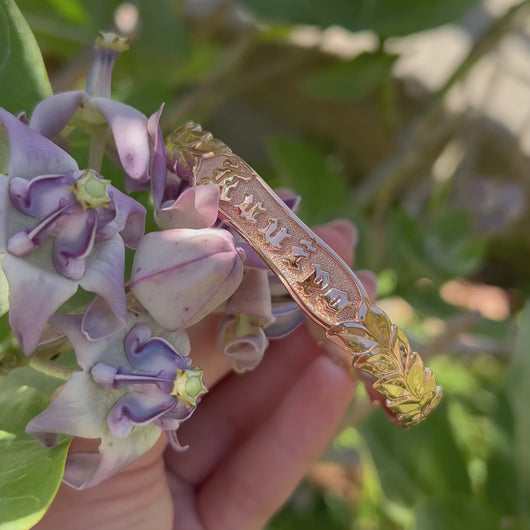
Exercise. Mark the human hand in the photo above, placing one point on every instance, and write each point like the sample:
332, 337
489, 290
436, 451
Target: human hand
250, 441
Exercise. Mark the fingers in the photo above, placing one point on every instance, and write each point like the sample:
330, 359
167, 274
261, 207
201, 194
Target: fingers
135, 499
237, 404
253, 482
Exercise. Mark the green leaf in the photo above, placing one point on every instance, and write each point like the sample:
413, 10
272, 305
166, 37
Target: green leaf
30, 474
23, 77
419, 463
456, 514
306, 170
386, 17
518, 392
351, 80
450, 246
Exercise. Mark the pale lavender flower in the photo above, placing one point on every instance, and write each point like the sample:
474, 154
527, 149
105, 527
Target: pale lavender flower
248, 310
60, 228
92, 108
178, 204
133, 385
181, 275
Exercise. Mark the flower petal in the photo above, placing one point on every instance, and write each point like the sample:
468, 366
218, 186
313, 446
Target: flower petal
137, 408
34, 295
4, 205
73, 243
128, 220
245, 351
287, 317
253, 297
87, 352
42, 195
129, 128
152, 355
196, 207
105, 274
289, 197
158, 161
84, 470
52, 115
181, 275
80, 409
99, 321
31, 154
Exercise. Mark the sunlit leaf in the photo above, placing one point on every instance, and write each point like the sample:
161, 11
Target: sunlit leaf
29, 473
518, 392
418, 463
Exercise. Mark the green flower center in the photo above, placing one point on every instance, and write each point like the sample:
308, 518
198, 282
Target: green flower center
189, 386
91, 191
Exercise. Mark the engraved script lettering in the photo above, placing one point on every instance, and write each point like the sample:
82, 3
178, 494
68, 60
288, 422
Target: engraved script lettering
336, 299
298, 252
250, 209
228, 176
273, 234
318, 280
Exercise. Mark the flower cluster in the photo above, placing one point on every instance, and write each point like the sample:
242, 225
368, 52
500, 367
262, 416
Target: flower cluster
66, 229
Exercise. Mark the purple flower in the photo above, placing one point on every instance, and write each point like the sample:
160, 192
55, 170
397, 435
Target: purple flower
181, 275
248, 310
178, 204
60, 228
91, 109
132, 386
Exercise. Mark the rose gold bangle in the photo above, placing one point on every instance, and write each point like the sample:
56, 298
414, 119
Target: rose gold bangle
320, 282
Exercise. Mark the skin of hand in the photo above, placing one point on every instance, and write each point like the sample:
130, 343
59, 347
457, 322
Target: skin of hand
251, 440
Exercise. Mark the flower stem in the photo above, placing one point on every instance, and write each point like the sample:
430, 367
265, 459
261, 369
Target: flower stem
98, 139
50, 368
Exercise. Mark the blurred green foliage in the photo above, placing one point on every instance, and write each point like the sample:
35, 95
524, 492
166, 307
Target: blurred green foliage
347, 135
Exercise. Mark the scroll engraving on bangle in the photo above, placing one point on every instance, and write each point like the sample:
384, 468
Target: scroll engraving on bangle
321, 283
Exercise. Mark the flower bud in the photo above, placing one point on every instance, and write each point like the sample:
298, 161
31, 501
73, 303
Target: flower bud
181, 275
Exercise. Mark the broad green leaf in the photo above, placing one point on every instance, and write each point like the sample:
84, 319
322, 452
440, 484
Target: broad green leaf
518, 392
386, 17
23, 77
455, 514
29, 473
502, 485
350, 80
306, 170
418, 463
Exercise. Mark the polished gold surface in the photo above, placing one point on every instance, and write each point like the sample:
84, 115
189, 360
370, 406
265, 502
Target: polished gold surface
321, 283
